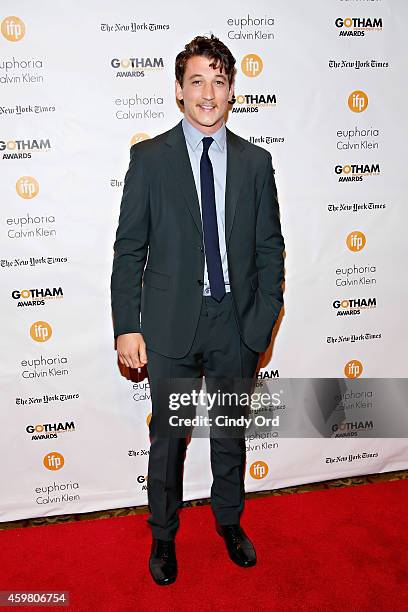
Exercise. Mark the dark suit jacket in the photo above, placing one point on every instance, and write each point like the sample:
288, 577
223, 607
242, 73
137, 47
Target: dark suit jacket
160, 221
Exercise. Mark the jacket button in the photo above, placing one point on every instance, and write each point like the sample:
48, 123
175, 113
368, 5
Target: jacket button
200, 282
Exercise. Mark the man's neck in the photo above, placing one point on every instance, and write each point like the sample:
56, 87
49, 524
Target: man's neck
209, 131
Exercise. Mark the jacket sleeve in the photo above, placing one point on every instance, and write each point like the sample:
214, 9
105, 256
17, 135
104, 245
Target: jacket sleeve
130, 248
269, 243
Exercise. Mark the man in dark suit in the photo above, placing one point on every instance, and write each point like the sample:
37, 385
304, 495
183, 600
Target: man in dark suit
200, 207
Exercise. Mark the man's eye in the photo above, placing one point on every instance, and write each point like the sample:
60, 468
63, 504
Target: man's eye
220, 82
196, 82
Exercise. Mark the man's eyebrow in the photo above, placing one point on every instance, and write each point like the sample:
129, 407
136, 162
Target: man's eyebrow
194, 76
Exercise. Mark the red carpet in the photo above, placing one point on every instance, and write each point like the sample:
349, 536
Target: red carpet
337, 549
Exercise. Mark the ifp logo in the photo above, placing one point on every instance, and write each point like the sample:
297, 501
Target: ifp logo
139, 137
27, 187
251, 65
356, 241
53, 461
13, 28
258, 470
353, 369
41, 331
358, 101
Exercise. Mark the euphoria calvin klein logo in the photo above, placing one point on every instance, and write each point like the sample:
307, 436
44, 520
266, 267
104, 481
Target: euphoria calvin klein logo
251, 65
40, 331
258, 470
13, 28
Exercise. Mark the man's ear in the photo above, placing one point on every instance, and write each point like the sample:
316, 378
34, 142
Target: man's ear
231, 92
179, 91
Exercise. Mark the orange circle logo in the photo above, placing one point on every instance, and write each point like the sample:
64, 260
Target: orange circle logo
54, 461
27, 187
353, 369
356, 241
251, 65
258, 470
148, 419
139, 137
13, 28
358, 101
40, 331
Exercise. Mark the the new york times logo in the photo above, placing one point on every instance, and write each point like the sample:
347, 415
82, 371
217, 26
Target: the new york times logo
351, 457
134, 27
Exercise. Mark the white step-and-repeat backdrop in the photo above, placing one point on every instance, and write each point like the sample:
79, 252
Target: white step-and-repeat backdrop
321, 85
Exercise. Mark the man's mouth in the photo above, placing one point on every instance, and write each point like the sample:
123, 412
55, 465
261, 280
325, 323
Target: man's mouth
206, 107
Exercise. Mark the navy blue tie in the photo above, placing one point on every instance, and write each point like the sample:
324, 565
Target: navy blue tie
209, 215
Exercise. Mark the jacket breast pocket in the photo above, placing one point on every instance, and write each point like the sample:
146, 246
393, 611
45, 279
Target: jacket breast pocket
156, 279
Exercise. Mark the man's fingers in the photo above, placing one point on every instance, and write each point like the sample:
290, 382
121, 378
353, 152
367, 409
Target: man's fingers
131, 360
132, 351
123, 360
143, 354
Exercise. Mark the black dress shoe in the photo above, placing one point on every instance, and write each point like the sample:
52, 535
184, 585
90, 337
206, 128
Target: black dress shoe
163, 562
239, 546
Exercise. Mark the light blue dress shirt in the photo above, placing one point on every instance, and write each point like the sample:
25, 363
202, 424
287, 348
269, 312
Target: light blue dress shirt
218, 157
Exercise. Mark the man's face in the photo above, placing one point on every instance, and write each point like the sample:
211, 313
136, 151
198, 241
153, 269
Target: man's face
205, 93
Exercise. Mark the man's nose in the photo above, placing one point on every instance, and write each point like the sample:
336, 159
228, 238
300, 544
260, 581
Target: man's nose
208, 92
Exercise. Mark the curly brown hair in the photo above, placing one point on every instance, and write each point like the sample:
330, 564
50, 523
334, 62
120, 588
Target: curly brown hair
211, 47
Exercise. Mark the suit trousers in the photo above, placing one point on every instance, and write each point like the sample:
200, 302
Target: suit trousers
217, 351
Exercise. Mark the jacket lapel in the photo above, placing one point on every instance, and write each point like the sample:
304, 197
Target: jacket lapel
235, 175
181, 172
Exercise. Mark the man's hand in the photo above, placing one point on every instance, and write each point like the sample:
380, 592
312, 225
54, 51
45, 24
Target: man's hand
131, 350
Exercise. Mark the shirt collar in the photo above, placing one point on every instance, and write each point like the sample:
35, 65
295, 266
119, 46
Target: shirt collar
193, 136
